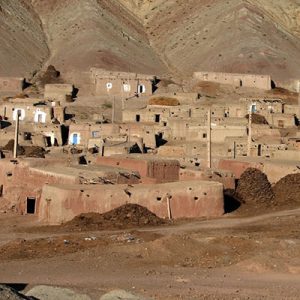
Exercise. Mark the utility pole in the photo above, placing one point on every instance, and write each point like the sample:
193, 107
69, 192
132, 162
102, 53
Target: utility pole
234, 150
209, 138
129, 139
249, 132
17, 134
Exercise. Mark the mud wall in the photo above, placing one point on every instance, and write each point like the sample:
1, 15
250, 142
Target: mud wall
187, 200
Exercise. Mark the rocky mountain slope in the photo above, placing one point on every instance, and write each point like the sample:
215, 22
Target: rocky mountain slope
157, 36
23, 46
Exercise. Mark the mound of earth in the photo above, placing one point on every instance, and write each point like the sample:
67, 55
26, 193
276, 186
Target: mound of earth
10, 147
128, 215
287, 189
257, 119
50, 76
28, 151
254, 188
34, 151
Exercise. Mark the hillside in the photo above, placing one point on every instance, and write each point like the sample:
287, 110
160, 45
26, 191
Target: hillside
23, 46
157, 36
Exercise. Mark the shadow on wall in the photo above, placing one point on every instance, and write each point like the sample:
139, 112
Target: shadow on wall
75, 93
155, 82
160, 141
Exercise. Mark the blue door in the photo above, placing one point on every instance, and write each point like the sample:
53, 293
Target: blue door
75, 139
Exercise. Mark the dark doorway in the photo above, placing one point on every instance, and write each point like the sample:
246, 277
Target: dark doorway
137, 118
30, 205
48, 141
157, 118
241, 83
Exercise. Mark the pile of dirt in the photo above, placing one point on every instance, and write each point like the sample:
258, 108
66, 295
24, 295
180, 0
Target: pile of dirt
50, 76
287, 189
10, 147
34, 151
166, 101
254, 188
257, 119
27, 151
125, 216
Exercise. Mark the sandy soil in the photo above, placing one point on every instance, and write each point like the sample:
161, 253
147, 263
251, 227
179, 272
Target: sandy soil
234, 257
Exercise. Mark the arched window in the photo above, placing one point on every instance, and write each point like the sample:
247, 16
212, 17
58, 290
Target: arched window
126, 87
141, 89
21, 111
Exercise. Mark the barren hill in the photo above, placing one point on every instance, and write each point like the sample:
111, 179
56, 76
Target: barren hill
176, 36
23, 47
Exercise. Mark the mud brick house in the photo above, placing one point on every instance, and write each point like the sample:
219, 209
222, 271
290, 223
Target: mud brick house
11, 84
29, 112
32, 110
263, 106
59, 92
81, 134
150, 168
23, 182
43, 135
238, 80
186, 199
122, 84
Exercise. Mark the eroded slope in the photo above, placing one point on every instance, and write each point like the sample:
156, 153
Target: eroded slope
83, 34
23, 47
232, 36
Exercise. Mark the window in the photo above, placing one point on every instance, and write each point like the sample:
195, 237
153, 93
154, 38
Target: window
141, 89
157, 118
95, 134
109, 85
126, 87
204, 135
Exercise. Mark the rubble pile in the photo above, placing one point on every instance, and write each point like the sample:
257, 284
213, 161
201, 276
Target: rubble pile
254, 188
128, 215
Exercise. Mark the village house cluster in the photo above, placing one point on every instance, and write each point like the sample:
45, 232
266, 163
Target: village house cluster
175, 159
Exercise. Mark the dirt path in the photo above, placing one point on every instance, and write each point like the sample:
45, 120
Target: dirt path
234, 257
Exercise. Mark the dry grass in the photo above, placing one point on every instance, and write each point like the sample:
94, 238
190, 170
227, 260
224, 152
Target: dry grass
166, 101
